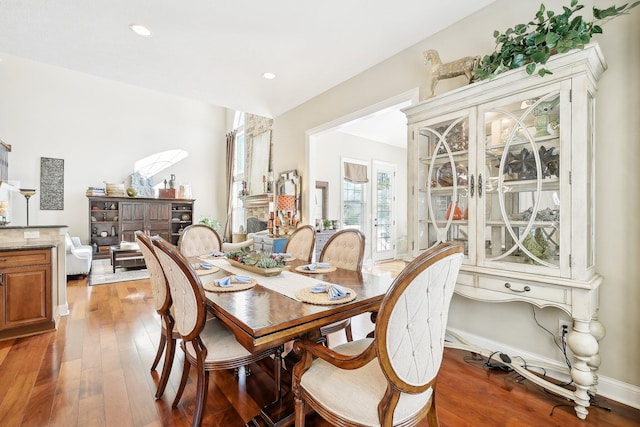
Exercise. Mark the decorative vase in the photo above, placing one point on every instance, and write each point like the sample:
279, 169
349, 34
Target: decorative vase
457, 212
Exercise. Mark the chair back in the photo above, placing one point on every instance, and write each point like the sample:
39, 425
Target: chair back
301, 243
159, 288
187, 294
198, 240
412, 321
345, 249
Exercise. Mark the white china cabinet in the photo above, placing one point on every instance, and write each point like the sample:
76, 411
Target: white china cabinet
506, 167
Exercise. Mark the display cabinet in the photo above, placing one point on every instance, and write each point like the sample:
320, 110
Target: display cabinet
114, 219
505, 167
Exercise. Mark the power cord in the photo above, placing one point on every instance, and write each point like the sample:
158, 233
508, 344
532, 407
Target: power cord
561, 346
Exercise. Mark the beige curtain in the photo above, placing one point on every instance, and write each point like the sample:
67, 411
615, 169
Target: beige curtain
355, 173
231, 152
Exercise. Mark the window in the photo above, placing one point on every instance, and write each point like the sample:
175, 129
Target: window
353, 195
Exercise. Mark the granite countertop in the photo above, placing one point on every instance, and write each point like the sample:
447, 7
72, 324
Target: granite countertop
26, 246
28, 227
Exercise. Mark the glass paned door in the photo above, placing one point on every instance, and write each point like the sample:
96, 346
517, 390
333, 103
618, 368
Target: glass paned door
383, 211
519, 184
444, 178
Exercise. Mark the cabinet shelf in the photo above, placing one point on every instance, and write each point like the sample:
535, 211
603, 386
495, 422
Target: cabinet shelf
548, 184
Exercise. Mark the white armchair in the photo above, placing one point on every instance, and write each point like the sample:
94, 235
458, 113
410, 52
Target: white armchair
79, 256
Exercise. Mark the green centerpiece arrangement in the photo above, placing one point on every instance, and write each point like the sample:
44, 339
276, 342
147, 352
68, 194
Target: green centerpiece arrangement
530, 45
257, 262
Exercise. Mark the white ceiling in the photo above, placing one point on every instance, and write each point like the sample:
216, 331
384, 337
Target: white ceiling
217, 50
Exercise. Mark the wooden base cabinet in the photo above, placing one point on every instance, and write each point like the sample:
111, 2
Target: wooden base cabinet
25, 292
114, 219
505, 167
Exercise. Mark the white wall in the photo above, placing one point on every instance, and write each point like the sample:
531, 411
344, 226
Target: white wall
100, 127
618, 177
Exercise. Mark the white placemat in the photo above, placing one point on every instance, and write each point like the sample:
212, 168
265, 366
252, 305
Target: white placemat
286, 283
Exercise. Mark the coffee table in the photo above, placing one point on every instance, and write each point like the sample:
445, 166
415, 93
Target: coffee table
124, 254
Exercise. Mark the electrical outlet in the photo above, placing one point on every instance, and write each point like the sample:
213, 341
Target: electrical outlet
564, 326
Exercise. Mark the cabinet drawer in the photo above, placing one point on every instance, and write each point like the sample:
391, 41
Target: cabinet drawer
24, 258
524, 289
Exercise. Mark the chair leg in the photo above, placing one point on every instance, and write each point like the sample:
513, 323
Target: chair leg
201, 396
166, 369
349, 332
161, 346
299, 414
277, 371
183, 381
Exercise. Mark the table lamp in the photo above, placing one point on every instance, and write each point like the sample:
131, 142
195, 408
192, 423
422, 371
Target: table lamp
27, 193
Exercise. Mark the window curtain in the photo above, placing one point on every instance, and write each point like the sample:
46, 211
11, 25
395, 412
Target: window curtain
231, 150
355, 173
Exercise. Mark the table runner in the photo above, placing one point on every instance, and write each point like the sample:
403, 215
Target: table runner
286, 283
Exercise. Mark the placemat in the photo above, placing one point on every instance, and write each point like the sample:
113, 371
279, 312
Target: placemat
301, 269
322, 298
211, 287
205, 271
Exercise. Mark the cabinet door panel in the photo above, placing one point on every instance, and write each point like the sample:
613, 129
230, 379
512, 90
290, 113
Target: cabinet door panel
132, 211
26, 296
159, 212
521, 183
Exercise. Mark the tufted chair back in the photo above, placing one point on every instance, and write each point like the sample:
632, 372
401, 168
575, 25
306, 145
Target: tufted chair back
345, 249
412, 320
301, 242
390, 379
198, 240
187, 294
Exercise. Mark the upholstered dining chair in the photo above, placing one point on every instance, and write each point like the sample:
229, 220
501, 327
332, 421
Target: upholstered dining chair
199, 240
207, 343
345, 249
162, 303
301, 243
388, 380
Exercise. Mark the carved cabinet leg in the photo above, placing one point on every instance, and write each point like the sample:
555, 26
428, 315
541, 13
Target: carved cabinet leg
584, 347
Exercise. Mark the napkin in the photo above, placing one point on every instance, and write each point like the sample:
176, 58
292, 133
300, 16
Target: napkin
334, 291
337, 292
319, 288
223, 282
206, 266
310, 267
283, 255
323, 265
216, 254
242, 279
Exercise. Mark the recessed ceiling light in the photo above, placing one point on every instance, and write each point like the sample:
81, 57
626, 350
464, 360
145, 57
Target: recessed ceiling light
140, 30
269, 76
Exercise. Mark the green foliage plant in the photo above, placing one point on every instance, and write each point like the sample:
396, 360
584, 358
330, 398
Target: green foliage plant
208, 220
532, 44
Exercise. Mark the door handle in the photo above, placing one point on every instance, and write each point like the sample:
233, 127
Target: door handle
480, 185
473, 185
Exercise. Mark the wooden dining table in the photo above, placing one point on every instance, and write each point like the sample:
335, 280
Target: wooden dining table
263, 318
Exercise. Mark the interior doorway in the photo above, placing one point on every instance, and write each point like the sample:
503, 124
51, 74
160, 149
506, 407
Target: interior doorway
382, 125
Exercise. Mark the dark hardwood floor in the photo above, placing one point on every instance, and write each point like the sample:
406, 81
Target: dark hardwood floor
94, 371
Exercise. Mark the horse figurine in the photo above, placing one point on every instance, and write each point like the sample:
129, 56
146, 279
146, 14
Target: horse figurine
462, 66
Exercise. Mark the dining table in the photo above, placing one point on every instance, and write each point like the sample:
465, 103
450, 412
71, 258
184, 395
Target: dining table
269, 314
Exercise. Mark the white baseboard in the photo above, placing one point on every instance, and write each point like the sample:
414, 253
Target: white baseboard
610, 388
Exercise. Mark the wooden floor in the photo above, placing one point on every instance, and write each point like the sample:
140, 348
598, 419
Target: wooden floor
94, 371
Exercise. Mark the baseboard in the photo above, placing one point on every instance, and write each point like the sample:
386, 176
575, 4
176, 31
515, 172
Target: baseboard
610, 388
63, 309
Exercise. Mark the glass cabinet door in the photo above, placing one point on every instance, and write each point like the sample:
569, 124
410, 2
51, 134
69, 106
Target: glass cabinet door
443, 175
519, 183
